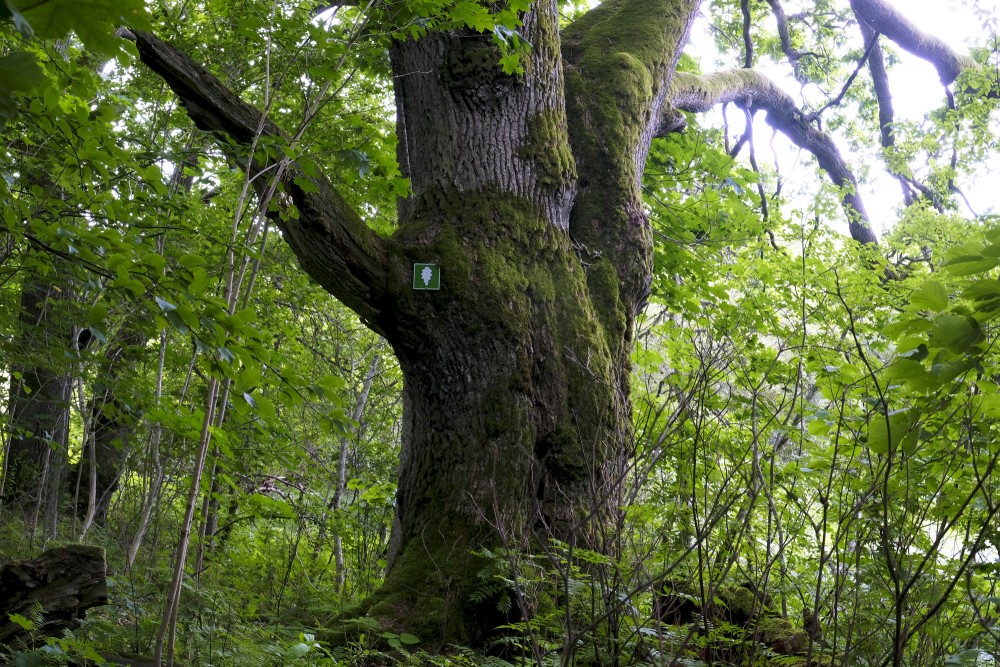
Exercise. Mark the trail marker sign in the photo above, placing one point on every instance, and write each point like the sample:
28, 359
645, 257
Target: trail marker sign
426, 277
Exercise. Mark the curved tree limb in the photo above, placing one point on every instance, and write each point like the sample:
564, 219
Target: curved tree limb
753, 91
747, 40
330, 239
876, 15
793, 55
880, 82
887, 20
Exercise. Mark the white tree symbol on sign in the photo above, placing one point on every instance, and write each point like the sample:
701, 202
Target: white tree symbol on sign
426, 275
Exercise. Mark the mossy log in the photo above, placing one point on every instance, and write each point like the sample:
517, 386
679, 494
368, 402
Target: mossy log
748, 611
63, 582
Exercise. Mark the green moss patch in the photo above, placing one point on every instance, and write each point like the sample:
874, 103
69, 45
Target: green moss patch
547, 145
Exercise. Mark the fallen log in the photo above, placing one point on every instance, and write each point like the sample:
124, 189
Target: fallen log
63, 582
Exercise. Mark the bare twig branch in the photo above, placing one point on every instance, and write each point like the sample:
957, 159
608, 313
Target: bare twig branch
871, 43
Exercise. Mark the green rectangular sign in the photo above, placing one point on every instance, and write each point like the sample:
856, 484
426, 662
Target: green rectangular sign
426, 276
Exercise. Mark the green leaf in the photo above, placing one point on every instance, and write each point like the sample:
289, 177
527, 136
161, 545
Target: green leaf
306, 184
265, 408
154, 261
818, 427
985, 289
885, 434
908, 326
9, 11
249, 378
190, 261
165, 305
511, 63
967, 265
8, 108
990, 405
21, 72
357, 160
297, 651
199, 281
966, 657
328, 386
93, 21
905, 369
931, 295
25, 623
955, 332
473, 15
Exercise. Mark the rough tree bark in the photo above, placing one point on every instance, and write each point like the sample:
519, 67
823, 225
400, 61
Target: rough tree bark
63, 583
516, 372
526, 191
112, 424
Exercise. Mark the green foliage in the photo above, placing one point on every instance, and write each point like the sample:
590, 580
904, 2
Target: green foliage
416, 17
93, 22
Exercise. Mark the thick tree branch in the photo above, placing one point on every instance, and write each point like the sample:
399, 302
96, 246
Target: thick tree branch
753, 91
886, 113
880, 83
620, 39
888, 21
329, 238
618, 59
747, 40
793, 55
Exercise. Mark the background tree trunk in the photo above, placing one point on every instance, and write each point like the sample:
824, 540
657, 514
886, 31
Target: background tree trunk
38, 408
113, 417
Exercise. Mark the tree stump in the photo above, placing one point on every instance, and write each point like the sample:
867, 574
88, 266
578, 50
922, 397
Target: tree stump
65, 582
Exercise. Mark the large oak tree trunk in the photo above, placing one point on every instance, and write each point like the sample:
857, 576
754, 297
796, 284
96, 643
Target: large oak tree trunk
516, 373
526, 192
512, 418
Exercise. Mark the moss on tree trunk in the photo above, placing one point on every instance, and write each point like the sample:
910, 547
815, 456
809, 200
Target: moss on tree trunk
526, 192
516, 373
